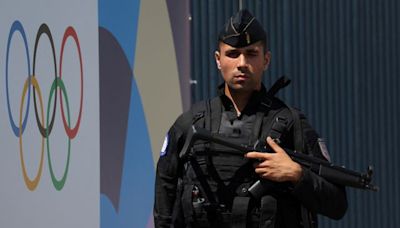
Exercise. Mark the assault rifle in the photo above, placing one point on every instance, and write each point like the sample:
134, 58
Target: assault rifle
335, 174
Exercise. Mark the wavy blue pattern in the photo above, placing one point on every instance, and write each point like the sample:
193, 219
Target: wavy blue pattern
121, 19
136, 197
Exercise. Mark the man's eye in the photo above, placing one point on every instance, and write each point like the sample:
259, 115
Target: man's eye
232, 54
252, 53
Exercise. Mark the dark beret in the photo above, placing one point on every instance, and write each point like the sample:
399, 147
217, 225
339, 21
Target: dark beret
241, 30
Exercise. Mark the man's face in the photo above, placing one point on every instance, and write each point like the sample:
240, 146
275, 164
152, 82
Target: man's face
242, 68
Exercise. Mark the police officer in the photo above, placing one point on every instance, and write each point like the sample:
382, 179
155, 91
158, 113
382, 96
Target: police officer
209, 189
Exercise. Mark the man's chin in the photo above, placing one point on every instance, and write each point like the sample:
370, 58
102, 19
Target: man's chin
241, 87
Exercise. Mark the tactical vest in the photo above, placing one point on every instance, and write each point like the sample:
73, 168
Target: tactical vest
216, 179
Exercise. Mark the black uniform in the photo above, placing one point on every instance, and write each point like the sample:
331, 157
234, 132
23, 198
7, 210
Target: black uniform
182, 200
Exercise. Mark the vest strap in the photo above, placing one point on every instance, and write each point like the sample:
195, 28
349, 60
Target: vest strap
298, 131
215, 111
208, 194
257, 126
187, 204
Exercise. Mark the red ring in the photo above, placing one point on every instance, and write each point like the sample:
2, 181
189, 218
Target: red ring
71, 132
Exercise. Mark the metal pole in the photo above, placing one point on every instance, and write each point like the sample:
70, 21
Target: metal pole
240, 4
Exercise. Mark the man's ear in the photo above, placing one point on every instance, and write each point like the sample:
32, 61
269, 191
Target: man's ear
217, 56
267, 59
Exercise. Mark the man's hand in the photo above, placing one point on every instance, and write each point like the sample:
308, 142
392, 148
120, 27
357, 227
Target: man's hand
276, 166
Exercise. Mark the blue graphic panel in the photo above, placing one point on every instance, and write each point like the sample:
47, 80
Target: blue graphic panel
121, 19
127, 172
136, 198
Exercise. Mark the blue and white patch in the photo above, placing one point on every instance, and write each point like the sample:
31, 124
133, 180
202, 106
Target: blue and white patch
163, 151
324, 149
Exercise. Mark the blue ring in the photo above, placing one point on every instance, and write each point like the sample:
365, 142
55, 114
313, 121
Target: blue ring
17, 26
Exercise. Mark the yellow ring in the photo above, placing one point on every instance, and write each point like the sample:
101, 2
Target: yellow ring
31, 184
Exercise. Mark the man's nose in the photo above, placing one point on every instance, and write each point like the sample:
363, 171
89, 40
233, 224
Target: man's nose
242, 61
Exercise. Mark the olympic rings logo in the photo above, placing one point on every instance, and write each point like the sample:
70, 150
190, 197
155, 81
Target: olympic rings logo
31, 86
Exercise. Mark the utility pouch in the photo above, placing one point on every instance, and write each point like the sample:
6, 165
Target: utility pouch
268, 210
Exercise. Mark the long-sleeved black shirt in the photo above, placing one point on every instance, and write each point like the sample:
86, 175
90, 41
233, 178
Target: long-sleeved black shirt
312, 191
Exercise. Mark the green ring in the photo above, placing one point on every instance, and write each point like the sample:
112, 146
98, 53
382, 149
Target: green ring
58, 184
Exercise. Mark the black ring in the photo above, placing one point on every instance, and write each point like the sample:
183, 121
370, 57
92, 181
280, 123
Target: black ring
44, 29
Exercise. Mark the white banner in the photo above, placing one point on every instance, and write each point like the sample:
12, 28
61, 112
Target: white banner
49, 114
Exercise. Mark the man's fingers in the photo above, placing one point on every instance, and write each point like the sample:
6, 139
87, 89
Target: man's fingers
274, 145
257, 155
254, 155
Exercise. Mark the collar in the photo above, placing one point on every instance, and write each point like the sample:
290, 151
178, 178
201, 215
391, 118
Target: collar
252, 106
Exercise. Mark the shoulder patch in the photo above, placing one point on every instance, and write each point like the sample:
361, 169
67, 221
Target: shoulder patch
163, 151
324, 149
